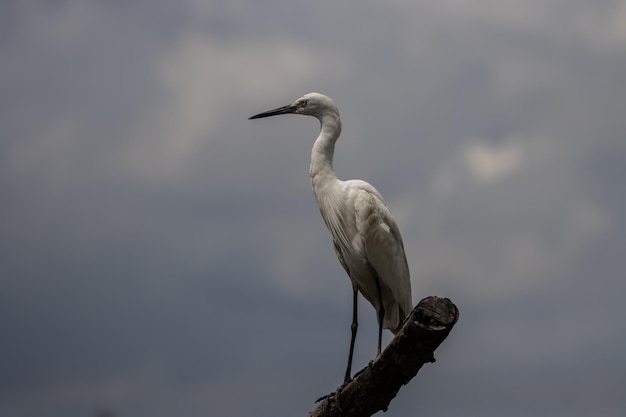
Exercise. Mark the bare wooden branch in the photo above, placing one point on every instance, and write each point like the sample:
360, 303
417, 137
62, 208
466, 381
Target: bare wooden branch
373, 388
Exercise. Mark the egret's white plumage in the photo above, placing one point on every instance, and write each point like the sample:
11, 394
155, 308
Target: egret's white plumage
365, 236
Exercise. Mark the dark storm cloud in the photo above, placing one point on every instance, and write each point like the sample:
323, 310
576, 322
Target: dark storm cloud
160, 254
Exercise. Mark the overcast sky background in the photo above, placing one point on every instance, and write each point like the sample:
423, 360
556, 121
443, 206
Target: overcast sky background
161, 255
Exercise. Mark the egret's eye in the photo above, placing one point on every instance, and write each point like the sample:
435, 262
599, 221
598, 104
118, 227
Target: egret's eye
302, 103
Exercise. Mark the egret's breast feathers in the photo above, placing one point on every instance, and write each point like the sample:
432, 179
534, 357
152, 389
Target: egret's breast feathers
331, 206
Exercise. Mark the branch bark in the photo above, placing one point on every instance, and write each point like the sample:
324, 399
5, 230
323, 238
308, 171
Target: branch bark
373, 388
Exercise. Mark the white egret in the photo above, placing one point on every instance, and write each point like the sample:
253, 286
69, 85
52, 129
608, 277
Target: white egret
365, 236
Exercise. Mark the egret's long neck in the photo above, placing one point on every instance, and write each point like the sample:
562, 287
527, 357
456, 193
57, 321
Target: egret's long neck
321, 169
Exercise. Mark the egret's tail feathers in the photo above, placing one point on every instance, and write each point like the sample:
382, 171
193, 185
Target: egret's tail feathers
394, 318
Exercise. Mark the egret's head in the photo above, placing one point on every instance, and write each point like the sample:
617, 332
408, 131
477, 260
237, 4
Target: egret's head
312, 104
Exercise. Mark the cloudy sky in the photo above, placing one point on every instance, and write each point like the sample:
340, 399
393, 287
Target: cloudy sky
161, 255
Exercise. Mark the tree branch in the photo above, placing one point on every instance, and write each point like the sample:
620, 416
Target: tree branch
373, 388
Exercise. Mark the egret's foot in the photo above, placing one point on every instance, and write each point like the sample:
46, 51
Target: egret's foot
332, 394
327, 396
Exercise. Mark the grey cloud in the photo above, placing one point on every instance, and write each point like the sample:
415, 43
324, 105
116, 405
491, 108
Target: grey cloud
157, 261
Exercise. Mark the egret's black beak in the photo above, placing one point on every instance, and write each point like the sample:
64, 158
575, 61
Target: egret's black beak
275, 112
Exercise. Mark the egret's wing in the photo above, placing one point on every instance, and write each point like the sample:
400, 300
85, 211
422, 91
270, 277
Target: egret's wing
384, 250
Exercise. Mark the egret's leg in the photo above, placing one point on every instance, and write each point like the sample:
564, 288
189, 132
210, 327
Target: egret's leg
381, 316
353, 328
